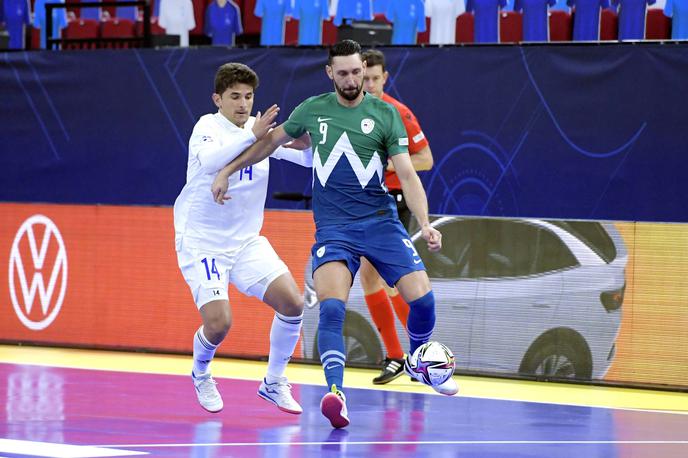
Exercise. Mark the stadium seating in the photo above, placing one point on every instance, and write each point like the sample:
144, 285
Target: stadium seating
609, 25
657, 25
560, 26
464, 28
81, 28
510, 27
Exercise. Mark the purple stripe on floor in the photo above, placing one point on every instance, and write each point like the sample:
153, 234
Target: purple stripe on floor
159, 415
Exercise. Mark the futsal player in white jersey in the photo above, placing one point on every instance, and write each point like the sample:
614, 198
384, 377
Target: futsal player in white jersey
218, 245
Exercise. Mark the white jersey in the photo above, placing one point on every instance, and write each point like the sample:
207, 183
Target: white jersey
443, 14
199, 222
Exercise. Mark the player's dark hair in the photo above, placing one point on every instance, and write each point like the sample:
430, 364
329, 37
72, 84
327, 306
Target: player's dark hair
234, 73
344, 48
373, 57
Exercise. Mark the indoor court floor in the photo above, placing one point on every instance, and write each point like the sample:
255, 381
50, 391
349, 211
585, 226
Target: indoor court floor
86, 403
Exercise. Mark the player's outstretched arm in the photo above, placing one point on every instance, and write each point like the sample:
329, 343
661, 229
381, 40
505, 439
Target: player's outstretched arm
417, 202
254, 154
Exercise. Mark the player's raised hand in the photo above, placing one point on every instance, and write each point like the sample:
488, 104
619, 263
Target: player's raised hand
433, 237
265, 122
219, 189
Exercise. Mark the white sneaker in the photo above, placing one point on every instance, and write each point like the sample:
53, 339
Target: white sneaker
448, 388
279, 393
207, 393
333, 406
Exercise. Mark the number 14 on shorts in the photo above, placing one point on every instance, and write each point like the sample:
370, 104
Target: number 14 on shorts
210, 268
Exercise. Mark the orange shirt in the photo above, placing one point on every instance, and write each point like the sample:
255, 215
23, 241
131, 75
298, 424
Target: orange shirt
416, 138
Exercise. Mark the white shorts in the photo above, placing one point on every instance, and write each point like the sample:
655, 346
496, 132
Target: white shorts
251, 269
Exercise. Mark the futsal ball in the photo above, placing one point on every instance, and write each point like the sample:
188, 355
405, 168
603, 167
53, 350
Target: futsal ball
433, 362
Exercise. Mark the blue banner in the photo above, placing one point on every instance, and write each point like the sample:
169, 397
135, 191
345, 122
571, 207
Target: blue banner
571, 131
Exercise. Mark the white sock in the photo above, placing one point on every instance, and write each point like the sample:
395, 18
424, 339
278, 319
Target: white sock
203, 352
284, 334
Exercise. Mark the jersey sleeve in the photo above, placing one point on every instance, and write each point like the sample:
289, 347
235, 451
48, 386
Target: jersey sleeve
238, 27
397, 140
416, 137
300, 157
205, 145
207, 26
421, 17
295, 126
469, 6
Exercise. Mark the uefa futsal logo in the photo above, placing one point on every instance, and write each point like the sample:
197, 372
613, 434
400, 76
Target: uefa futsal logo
38, 271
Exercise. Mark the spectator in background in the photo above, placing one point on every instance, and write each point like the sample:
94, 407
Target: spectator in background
677, 10
443, 14
408, 18
586, 20
177, 18
486, 19
632, 14
39, 20
16, 15
310, 14
273, 15
359, 10
223, 22
535, 18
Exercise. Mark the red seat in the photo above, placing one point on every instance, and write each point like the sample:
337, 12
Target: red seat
81, 28
464, 28
291, 32
510, 27
424, 37
609, 25
560, 26
155, 28
329, 32
199, 7
657, 25
118, 28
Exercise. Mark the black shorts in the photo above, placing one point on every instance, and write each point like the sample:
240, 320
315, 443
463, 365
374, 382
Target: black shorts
405, 216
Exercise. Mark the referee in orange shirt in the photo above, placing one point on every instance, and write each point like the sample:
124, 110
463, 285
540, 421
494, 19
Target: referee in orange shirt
377, 293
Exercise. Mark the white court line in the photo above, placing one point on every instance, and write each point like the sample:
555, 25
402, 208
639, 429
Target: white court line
52, 450
512, 442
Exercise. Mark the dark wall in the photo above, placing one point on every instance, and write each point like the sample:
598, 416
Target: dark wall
573, 131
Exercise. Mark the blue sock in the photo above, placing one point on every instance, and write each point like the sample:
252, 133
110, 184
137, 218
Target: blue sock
421, 320
331, 341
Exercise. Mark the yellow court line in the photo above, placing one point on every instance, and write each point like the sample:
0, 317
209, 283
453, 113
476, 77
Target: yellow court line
479, 387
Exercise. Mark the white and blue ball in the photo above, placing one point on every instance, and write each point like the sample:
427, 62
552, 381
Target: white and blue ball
433, 362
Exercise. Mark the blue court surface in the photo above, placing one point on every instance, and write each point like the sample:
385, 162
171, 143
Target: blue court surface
65, 412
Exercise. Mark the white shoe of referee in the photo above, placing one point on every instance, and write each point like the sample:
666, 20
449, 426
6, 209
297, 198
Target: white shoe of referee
279, 393
206, 390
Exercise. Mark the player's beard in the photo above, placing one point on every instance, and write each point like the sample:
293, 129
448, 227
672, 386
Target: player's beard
350, 93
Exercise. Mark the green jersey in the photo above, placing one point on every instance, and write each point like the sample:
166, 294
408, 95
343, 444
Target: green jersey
351, 146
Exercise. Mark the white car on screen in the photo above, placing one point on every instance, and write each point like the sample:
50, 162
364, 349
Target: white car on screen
513, 296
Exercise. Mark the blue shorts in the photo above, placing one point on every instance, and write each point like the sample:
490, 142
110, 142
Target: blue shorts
384, 242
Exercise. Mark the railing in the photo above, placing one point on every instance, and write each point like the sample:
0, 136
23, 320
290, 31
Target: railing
99, 42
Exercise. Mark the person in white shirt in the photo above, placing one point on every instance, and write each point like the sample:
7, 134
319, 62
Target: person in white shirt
218, 245
177, 18
443, 14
